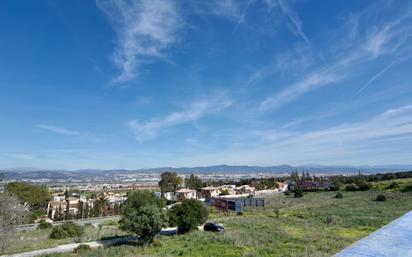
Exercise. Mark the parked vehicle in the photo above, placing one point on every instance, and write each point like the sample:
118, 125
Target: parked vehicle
213, 227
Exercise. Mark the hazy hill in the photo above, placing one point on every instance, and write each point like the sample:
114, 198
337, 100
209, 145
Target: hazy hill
30, 173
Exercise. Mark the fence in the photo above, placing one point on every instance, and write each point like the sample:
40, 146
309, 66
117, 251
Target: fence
236, 204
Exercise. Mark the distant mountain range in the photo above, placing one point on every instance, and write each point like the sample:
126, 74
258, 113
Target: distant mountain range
30, 173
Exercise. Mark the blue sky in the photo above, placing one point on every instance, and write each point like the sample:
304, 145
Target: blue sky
150, 83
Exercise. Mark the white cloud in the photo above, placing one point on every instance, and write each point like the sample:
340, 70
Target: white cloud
311, 82
377, 140
383, 39
193, 112
70, 132
389, 37
391, 123
145, 28
59, 130
296, 26
229, 9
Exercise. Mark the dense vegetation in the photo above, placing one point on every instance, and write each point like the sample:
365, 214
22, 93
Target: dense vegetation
67, 229
35, 196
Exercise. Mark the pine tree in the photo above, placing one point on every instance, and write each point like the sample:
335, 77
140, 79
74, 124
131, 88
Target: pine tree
59, 216
66, 197
86, 211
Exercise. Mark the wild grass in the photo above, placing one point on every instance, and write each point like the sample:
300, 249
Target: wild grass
39, 239
318, 224
385, 185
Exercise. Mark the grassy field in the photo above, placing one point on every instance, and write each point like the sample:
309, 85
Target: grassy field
316, 225
39, 239
384, 185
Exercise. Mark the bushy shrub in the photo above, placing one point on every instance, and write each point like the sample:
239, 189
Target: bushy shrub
380, 198
407, 189
88, 225
68, 229
339, 195
225, 192
58, 233
332, 219
44, 225
364, 186
188, 215
82, 248
276, 212
351, 187
335, 185
393, 185
298, 192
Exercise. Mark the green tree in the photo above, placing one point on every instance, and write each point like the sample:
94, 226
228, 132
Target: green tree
81, 206
194, 182
67, 211
86, 211
143, 214
294, 176
225, 192
188, 215
138, 199
169, 182
59, 215
298, 192
36, 197
116, 209
146, 222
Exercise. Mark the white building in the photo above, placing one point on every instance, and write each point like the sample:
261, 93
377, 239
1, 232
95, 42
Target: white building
210, 192
184, 193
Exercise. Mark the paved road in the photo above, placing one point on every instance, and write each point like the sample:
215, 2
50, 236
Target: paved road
392, 240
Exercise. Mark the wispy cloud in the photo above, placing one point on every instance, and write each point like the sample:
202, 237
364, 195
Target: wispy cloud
311, 82
388, 38
70, 132
242, 15
22, 156
296, 23
382, 137
375, 77
230, 9
390, 123
59, 130
193, 112
145, 28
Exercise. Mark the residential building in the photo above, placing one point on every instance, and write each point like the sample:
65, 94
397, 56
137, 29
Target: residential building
209, 192
245, 189
184, 193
